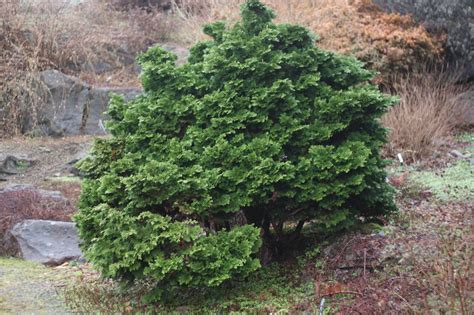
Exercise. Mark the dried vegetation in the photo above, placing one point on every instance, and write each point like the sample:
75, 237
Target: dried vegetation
429, 111
386, 42
89, 40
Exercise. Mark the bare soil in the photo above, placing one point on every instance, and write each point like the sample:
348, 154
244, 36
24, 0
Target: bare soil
51, 157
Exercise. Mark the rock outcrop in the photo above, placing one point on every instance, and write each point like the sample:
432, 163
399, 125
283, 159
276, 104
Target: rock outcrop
14, 164
73, 107
468, 99
47, 242
456, 17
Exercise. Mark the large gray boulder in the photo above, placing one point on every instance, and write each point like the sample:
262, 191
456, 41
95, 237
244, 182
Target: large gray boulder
73, 107
19, 202
47, 242
456, 17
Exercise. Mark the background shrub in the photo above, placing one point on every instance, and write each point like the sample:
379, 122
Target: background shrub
260, 133
430, 109
386, 42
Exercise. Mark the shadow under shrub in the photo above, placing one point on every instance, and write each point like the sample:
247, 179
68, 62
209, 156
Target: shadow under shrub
222, 161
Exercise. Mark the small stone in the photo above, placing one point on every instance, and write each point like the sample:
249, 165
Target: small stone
457, 154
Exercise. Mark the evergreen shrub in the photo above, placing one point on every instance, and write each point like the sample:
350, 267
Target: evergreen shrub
257, 135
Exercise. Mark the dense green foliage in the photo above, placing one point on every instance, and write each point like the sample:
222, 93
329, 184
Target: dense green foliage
258, 134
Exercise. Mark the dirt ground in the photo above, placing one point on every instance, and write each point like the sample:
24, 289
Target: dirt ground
29, 288
51, 157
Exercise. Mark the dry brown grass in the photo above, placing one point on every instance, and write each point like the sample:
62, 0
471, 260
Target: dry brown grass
427, 114
75, 39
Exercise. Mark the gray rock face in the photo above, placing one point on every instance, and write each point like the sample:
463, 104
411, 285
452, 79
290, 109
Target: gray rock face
180, 52
454, 16
47, 242
14, 164
73, 107
71, 165
467, 98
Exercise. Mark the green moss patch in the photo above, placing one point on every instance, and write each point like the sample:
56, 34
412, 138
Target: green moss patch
453, 183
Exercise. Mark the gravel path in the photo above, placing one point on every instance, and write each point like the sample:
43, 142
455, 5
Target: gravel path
29, 288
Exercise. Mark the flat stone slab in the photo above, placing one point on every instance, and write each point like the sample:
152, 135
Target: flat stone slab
47, 242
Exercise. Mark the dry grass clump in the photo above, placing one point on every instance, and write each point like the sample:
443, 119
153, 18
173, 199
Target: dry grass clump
386, 42
429, 110
73, 38
89, 40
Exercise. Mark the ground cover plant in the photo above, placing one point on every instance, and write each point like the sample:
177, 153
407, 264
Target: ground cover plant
29, 287
216, 168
